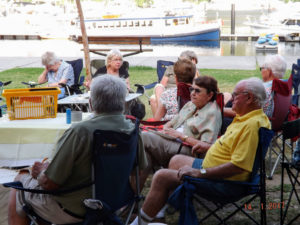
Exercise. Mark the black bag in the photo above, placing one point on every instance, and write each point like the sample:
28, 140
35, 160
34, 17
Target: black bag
135, 108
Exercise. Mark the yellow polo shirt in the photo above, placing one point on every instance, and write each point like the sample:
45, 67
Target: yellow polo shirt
239, 143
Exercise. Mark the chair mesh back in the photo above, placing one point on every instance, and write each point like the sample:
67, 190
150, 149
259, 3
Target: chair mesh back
282, 101
114, 156
296, 83
77, 67
183, 94
265, 137
161, 68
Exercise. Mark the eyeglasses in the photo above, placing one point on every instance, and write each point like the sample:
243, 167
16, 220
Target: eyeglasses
197, 90
234, 94
117, 60
262, 68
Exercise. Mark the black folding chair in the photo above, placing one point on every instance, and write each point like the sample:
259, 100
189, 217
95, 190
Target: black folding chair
290, 130
182, 197
77, 66
114, 159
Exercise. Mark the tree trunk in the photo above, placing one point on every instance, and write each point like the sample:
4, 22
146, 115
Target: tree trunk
84, 42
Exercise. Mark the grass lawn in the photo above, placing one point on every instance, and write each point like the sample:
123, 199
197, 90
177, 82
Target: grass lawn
138, 75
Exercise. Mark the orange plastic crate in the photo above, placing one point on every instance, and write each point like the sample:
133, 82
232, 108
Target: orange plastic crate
31, 103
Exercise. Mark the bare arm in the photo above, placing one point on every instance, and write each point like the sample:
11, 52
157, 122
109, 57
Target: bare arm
160, 111
127, 83
164, 81
43, 77
219, 172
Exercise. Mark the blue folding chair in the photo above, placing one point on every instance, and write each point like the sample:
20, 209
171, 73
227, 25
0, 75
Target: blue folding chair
114, 160
296, 83
160, 69
182, 198
77, 66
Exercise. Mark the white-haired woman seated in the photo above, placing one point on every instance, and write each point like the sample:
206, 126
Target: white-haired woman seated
56, 72
113, 66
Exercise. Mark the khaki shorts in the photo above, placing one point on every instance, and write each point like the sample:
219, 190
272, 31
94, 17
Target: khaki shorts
44, 205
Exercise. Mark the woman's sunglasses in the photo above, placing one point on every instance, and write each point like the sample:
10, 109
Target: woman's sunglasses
197, 90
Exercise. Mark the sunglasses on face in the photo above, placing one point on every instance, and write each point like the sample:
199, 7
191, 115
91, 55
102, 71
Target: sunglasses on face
197, 90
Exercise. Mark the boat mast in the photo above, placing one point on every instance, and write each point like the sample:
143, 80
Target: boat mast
84, 42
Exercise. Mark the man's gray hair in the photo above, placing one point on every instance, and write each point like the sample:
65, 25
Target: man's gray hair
277, 64
108, 94
112, 53
189, 55
49, 58
255, 86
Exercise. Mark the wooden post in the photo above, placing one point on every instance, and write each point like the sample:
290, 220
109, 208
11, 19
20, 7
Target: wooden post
84, 42
232, 18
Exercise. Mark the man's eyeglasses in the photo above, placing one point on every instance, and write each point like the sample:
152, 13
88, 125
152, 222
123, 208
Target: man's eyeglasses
197, 90
117, 60
234, 94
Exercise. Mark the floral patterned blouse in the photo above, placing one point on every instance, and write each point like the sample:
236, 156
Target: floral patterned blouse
169, 100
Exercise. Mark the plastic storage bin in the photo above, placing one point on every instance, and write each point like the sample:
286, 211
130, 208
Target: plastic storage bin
31, 103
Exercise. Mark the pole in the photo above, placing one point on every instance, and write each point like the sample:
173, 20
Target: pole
84, 42
232, 18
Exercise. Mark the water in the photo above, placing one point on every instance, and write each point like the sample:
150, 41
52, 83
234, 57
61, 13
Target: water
65, 48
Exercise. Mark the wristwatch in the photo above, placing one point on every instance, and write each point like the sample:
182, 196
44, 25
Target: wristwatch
203, 171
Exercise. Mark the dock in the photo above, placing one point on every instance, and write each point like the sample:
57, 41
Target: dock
223, 37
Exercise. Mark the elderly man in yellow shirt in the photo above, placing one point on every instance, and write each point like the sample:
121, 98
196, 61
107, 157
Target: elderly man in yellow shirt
231, 157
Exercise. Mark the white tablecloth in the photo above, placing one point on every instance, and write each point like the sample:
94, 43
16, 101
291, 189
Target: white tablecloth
24, 141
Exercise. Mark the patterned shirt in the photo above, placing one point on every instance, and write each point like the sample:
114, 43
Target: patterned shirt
169, 100
268, 107
65, 71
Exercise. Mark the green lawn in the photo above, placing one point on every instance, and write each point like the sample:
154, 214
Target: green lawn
138, 75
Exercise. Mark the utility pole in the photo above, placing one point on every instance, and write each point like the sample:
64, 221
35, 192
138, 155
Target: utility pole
84, 42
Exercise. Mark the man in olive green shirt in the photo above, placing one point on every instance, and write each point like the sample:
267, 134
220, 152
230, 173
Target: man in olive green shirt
71, 164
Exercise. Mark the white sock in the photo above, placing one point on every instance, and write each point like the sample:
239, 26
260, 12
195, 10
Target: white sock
145, 219
161, 213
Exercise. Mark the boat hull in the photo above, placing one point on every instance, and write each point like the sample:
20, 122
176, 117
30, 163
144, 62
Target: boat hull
208, 35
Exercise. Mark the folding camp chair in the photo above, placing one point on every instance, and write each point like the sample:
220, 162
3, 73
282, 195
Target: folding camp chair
289, 130
282, 100
160, 69
77, 66
98, 63
182, 197
183, 94
114, 158
296, 83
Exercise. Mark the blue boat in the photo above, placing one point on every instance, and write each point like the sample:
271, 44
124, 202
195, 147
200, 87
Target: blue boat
158, 30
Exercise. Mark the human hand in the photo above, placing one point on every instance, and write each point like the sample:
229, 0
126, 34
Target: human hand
172, 132
187, 171
200, 147
37, 168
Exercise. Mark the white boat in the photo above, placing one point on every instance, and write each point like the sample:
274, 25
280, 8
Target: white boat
166, 29
282, 25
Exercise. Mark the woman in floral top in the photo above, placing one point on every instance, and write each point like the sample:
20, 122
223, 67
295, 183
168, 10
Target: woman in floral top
184, 70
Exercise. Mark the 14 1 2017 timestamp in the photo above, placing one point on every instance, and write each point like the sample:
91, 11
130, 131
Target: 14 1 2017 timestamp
268, 206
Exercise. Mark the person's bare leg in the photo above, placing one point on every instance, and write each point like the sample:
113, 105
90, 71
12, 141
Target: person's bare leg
164, 181
179, 161
153, 104
13, 217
